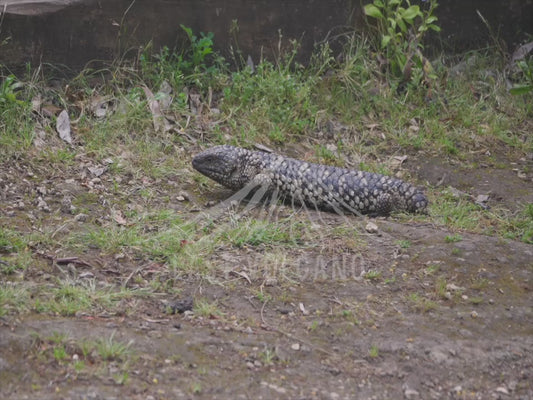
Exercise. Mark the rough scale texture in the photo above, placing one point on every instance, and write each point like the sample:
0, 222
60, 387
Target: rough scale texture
320, 186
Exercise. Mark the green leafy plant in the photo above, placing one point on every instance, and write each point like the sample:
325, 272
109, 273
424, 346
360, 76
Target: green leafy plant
526, 66
8, 93
195, 63
401, 27
200, 48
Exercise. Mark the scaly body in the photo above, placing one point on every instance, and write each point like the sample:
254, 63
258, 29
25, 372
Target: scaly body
321, 186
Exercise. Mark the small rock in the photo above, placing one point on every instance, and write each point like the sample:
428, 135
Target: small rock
474, 314
522, 175
295, 346
482, 200
180, 198
250, 365
331, 147
454, 287
81, 217
457, 389
271, 281
438, 357
411, 394
371, 228
303, 309
502, 390
257, 364
42, 205
155, 334
181, 305
465, 333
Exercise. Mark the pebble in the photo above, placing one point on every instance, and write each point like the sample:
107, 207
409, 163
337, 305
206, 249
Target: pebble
411, 394
502, 390
181, 305
81, 217
474, 314
295, 346
182, 196
250, 365
371, 228
42, 205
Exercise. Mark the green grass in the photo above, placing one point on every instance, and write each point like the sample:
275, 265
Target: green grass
259, 232
14, 298
67, 298
373, 275
206, 309
374, 351
11, 241
421, 303
111, 349
16, 125
453, 238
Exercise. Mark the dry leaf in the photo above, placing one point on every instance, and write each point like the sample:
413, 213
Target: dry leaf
303, 310
97, 171
63, 126
155, 109
118, 217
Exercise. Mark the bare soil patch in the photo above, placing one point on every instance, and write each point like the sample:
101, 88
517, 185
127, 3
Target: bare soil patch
438, 318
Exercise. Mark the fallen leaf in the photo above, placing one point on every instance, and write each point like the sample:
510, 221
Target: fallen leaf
118, 217
522, 52
63, 126
101, 106
97, 171
164, 95
397, 161
155, 109
36, 104
303, 310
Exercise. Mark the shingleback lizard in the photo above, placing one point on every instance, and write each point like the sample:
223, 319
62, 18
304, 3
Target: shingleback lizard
321, 186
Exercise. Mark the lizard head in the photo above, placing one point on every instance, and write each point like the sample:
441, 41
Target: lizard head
227, 165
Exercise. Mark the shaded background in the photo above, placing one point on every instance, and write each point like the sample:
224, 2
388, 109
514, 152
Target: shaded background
74, 32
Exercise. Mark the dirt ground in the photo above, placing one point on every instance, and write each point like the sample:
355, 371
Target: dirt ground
324, 331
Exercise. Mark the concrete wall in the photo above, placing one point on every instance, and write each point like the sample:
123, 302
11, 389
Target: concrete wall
73, 32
